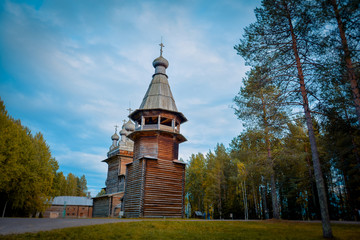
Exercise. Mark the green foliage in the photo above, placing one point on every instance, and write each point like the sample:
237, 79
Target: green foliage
196, 230
101, 193
309, 50
304, 57
70, 185
81, 186
27, 168
29, 176
59, 184
259, 104
195, 181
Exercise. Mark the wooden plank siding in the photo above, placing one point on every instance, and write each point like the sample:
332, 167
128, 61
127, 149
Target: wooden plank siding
155, 180
155, 186
116, 168
101, 207
133, 189
146, 146
164, 189
124, 159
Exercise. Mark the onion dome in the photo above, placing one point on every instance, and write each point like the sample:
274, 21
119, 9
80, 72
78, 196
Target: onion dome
130, 126
115, 137
160, 61
160, 64
123, 131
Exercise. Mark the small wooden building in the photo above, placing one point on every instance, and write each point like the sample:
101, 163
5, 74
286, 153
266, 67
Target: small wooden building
108, 205
155, 180
70, 207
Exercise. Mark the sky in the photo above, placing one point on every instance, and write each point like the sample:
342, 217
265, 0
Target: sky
71, 69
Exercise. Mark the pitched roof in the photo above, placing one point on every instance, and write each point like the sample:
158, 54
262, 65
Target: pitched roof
158, 95
72, 200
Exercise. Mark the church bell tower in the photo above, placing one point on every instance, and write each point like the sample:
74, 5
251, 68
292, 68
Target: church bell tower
155, 180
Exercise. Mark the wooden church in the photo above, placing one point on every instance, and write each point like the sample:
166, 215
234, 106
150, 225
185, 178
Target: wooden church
120, 153
145, 177
155, 179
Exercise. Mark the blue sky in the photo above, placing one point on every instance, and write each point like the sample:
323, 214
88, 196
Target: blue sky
70, 69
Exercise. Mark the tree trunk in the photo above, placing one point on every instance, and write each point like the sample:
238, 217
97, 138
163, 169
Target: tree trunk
266, 210
274, 199
313, 190
255, 202
349, 65
3, 214
353, 142
327, 231
220, 202
243, 185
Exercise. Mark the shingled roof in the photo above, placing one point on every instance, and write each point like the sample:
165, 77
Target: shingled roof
158, 95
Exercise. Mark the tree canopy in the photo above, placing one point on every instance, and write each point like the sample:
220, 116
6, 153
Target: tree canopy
300, 105
29, 177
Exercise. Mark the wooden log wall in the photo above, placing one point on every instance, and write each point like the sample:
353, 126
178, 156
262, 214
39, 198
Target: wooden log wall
168, 147
112, 175
117, 167
115, 201
134, 189
101, 207
146, 146
155, 186
164, 189
155, 180
125, 158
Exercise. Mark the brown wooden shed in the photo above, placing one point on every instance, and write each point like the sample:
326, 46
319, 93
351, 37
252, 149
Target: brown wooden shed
70, 207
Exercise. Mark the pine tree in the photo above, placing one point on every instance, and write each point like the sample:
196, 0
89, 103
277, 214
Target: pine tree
259, 103
279, 41
347, 15
81, 186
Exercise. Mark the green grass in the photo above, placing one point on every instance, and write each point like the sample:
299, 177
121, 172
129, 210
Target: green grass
197, 230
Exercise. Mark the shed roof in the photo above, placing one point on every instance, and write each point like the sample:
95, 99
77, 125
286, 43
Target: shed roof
72, 200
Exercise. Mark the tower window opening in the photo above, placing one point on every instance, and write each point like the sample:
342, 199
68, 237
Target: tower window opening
166, 121
151, 120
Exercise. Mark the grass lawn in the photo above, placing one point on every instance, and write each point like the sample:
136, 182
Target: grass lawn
167, 229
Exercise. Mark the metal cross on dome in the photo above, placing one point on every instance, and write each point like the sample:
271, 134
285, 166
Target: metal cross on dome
130, 110
116, 126
161, 47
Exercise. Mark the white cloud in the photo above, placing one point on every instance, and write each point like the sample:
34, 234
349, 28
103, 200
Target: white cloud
80, 65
